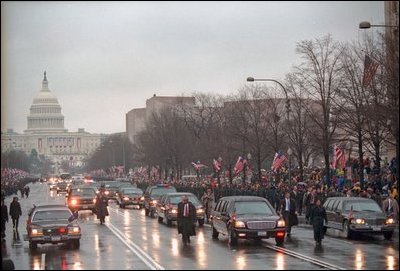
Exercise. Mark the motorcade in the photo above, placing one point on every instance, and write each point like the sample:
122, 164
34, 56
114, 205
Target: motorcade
81, 198
52, 224
246, 217
62, 187
111, 188
353, 215
129, 196
153, 194
167, 207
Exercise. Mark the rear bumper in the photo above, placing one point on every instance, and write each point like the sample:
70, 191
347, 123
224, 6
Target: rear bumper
51, 239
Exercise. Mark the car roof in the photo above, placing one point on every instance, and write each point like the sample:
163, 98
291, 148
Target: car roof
50, 207
350, 199
179, 194
243, 198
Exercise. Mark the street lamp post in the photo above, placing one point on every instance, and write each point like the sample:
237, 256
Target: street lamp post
290, 152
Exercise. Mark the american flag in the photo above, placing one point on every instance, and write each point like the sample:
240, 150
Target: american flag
279, 158
239, 165
216, 165
370, 68
198, 165
339, 159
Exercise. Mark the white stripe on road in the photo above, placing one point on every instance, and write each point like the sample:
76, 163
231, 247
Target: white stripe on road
304, 257
150, 262
43, 262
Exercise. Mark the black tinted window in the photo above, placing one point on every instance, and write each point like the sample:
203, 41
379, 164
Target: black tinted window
253, 208
83, 192
52, 215
158, 191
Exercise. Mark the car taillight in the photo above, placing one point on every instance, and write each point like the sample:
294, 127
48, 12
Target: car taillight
74, 201
62, 230
74, 230
94, 200
36, 231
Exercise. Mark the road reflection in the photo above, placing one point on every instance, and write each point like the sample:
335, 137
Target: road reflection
280, 262
240, 262
359, 260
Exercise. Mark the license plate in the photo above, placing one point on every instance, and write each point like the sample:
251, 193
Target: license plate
56, 238
261, 233
85, 206
376, 228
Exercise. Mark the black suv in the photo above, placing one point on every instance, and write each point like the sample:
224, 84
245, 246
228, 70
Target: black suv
358, 215
153, 194
246, 217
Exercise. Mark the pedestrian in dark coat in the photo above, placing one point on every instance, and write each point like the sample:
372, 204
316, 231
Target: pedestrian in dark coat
288, 211
27, 190
186, 219
4, 218
101, 205
317, 217
15, 212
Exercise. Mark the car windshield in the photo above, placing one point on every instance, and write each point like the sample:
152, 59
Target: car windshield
359, 206
83, 192
253, 208
132, 192
159, 191
192, 198
52, 215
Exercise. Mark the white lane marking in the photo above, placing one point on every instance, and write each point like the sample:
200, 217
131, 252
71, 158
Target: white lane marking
43, 262
304, 257
150, 262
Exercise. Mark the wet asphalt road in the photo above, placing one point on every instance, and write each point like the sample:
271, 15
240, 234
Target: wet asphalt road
130, 240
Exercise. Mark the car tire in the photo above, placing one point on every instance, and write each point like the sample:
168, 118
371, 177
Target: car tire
122, 206
324, 229
160, 219
146, 211
232, 239
388, 235
75, 244
201, 222
152, 214
347, 231
32, 245
215, 233
279, 240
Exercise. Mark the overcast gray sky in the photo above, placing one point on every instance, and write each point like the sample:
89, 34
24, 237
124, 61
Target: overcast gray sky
105, 58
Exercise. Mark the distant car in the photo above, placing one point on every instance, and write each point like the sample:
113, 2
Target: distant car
81, 198
153, 194
62, 187
129, 196
246, 217
52, 224
167, 207
358, 215
123, 185
111, 188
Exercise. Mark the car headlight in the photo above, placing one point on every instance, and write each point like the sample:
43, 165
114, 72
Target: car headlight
240, 224
94, 200
153, 202
199, 211
74, 202
126, 198
280, 223
141, 198
358, 221
37, 231
74, 230
174, 211
107, 192
390, 221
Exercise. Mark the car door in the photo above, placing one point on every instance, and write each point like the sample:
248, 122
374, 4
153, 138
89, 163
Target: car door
337, 221
224, 217
328, 208
216, 221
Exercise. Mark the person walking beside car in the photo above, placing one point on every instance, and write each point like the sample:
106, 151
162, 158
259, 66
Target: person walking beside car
317, 218
208, 200
4, 218
186, 219
288, 211
15, 212
391, 207
101, 205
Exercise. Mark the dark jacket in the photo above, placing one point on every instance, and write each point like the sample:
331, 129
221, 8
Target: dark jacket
186, 224
4, 214
291, 217
101, 205
15, 210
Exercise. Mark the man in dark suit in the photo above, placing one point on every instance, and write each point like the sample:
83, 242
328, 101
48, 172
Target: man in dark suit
288, 211
186, 219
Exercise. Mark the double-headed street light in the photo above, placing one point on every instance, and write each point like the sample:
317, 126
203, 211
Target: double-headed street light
366, 25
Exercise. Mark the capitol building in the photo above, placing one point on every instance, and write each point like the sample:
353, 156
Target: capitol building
46, 133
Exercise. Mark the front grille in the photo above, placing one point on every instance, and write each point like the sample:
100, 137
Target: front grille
51, 231
260, 225
377, 221
86, 201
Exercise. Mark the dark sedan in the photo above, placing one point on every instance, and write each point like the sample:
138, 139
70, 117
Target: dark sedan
246, 217
129, 196
358, 215
52, 224
167, 207
81, 198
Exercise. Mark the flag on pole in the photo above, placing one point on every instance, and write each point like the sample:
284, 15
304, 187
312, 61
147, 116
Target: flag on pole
239, 165
370, 68
198, 165
279, 158
338, 157
216, 165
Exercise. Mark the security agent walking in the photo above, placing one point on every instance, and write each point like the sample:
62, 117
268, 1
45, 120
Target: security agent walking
4, 218
101, 205
186, 219
317, 218
288, 211
15, 212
